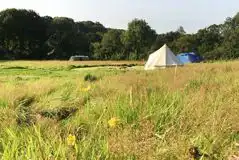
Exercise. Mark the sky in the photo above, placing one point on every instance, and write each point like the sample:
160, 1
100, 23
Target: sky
161, 15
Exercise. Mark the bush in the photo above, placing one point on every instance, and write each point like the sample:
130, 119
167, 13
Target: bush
90, 78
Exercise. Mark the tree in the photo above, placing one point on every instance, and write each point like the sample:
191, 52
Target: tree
23, 32
231, 45
186, 43
94, 31
96, 50
66, 40
26, 35
111, 46
167, 38
181, 30
138, 39
208, 39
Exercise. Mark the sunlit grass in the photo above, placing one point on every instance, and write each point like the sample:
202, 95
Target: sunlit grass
48, 111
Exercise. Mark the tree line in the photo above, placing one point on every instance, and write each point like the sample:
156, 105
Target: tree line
26, 35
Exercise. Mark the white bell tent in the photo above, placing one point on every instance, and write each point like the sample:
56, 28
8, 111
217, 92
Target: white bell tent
162, 58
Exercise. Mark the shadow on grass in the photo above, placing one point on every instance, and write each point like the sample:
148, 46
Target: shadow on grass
3, 61
59, 114
70, 67
16, 67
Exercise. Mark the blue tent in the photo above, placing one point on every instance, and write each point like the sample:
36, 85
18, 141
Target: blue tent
189, 57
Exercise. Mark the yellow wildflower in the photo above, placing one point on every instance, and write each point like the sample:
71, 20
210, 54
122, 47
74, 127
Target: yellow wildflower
113, 122
71, 140
86, 89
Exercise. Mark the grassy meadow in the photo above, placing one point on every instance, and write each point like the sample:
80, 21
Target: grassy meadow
58, 110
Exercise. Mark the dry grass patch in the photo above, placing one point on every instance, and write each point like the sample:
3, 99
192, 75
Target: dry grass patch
162, 113
139, 141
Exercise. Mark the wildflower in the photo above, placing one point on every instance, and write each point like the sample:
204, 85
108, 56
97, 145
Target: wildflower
71, 140
86, 89
113, 122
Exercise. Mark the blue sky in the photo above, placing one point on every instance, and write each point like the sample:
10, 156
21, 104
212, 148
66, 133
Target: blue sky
162, 15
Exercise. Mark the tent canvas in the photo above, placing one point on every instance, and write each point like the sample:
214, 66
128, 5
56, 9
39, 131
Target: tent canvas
162, 58
189, 57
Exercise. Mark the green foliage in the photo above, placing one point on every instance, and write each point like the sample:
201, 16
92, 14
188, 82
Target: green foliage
90, 78
110, 47
138, 39
24, 32
168, 38
26, 35
181, 30
184, 44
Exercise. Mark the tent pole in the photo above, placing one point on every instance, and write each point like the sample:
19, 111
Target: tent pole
175, 73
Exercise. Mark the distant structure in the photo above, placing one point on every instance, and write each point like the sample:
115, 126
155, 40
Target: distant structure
189, 57
162, 58
78, 58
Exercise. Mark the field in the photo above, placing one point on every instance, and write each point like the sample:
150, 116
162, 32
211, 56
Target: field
86, 110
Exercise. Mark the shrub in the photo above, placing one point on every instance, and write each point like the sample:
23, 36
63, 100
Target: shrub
90, 78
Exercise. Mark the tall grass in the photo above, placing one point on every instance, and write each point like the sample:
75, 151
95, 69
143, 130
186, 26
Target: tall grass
162, 113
